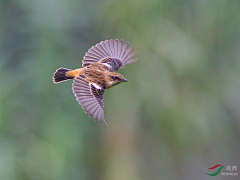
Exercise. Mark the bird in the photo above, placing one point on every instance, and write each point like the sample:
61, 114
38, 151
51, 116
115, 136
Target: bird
97, 74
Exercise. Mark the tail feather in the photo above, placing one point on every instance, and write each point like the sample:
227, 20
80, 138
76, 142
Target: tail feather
60, 75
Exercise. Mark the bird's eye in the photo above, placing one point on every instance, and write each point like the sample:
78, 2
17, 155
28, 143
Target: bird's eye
115, 77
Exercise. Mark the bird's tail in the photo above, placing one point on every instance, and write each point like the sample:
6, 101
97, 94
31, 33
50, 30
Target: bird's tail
60, 75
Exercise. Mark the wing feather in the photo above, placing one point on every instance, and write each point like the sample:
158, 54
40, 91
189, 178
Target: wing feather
124, 47
90, 98
119, 50
95, 115
101, 50
115, 44
94, 50
132, 54
127, 52
116, 50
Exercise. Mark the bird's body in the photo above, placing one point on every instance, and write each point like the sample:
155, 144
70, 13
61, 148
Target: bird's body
97, 74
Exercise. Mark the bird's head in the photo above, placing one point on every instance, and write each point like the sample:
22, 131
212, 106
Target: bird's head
114, 79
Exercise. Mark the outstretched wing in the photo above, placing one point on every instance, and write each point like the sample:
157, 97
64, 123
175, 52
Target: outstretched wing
90, 97
114, 53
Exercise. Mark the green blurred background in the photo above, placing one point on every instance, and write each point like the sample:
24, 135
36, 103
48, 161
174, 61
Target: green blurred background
178, 115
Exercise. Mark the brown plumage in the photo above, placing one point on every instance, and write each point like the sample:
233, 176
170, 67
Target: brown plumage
97, 74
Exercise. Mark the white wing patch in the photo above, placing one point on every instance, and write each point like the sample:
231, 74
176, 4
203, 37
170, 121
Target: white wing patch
105, 64
96, 86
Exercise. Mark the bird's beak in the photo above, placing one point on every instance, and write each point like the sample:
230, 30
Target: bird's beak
125, 80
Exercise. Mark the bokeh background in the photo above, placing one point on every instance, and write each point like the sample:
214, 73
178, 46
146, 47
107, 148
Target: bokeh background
178, 115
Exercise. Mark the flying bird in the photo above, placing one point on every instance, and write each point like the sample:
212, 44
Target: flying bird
97, 74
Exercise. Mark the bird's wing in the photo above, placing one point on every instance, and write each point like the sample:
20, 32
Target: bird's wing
90, 97
114, 53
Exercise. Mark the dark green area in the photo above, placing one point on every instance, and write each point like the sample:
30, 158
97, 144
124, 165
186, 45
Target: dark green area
178, 114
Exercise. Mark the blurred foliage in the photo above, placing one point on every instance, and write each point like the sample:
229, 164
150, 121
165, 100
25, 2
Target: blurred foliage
177, 115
